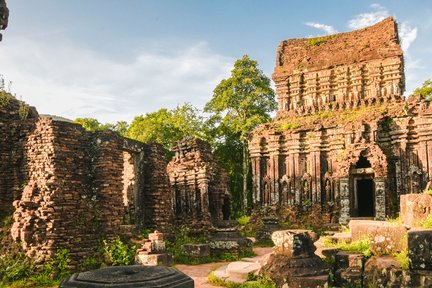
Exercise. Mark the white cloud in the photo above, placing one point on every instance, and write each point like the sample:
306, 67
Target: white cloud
366, 19
326, 28
407, 35
71, 81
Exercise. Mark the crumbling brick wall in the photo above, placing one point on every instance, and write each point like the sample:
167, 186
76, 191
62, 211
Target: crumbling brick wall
201, 194
157, 194
73, 197
14, 130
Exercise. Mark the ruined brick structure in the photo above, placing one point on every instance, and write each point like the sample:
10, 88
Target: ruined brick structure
344, 137
16, 122
201, 193
70, 188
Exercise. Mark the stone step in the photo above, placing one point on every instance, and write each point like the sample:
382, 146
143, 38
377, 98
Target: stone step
240, 269
342, 236
221, 272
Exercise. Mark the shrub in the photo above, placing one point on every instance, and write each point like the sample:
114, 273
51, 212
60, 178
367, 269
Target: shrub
90, 263
243, 220
15, 268
360, 246
117, 253
403, 259
57, 267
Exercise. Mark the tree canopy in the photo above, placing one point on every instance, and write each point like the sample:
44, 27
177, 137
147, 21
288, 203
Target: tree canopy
166, 126
239, 104
92, 124
244, 100
425, 91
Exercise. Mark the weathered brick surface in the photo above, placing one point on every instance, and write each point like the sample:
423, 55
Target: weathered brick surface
157, 194
386, 238
415, 208
344, 137
341, 70
14, 130
201, 187
73, 196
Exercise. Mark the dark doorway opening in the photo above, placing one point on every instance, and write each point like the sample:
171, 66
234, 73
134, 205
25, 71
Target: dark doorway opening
363, 162
226, 208
365, 197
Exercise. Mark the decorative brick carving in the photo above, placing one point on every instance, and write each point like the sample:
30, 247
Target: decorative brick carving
201, 187
344, 136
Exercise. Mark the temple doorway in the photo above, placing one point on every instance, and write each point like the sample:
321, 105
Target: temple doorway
363, 188
365, 197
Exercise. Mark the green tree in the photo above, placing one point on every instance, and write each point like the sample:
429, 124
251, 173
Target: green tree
425, 91
166, 126
241, 103
92, 124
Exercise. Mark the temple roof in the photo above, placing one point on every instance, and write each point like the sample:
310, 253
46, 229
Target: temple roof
379, 41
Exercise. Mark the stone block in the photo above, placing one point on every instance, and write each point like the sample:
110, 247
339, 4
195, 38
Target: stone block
385, 271
420, 249
349, 269
154, 259
294, 243
385, 237
415, 208
265, 232
229, 239
196, 250
296, 272
156, 236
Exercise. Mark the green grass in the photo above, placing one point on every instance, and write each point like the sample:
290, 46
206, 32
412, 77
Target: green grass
264, 243
360, 246
256, 282
427, 223
403, 259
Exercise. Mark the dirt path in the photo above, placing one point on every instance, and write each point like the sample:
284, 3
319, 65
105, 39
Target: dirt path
199, 273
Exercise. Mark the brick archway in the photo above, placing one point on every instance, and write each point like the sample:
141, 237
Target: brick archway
372, 152
351, 181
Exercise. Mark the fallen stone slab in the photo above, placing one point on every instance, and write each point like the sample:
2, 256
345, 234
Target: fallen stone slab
385, 237
241, 269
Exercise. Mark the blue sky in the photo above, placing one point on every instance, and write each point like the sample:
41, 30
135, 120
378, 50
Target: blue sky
113, 60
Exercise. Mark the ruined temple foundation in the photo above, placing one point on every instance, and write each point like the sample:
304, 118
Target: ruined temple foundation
344, 137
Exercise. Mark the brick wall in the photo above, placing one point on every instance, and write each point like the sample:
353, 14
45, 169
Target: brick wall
14, 130
74, 194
